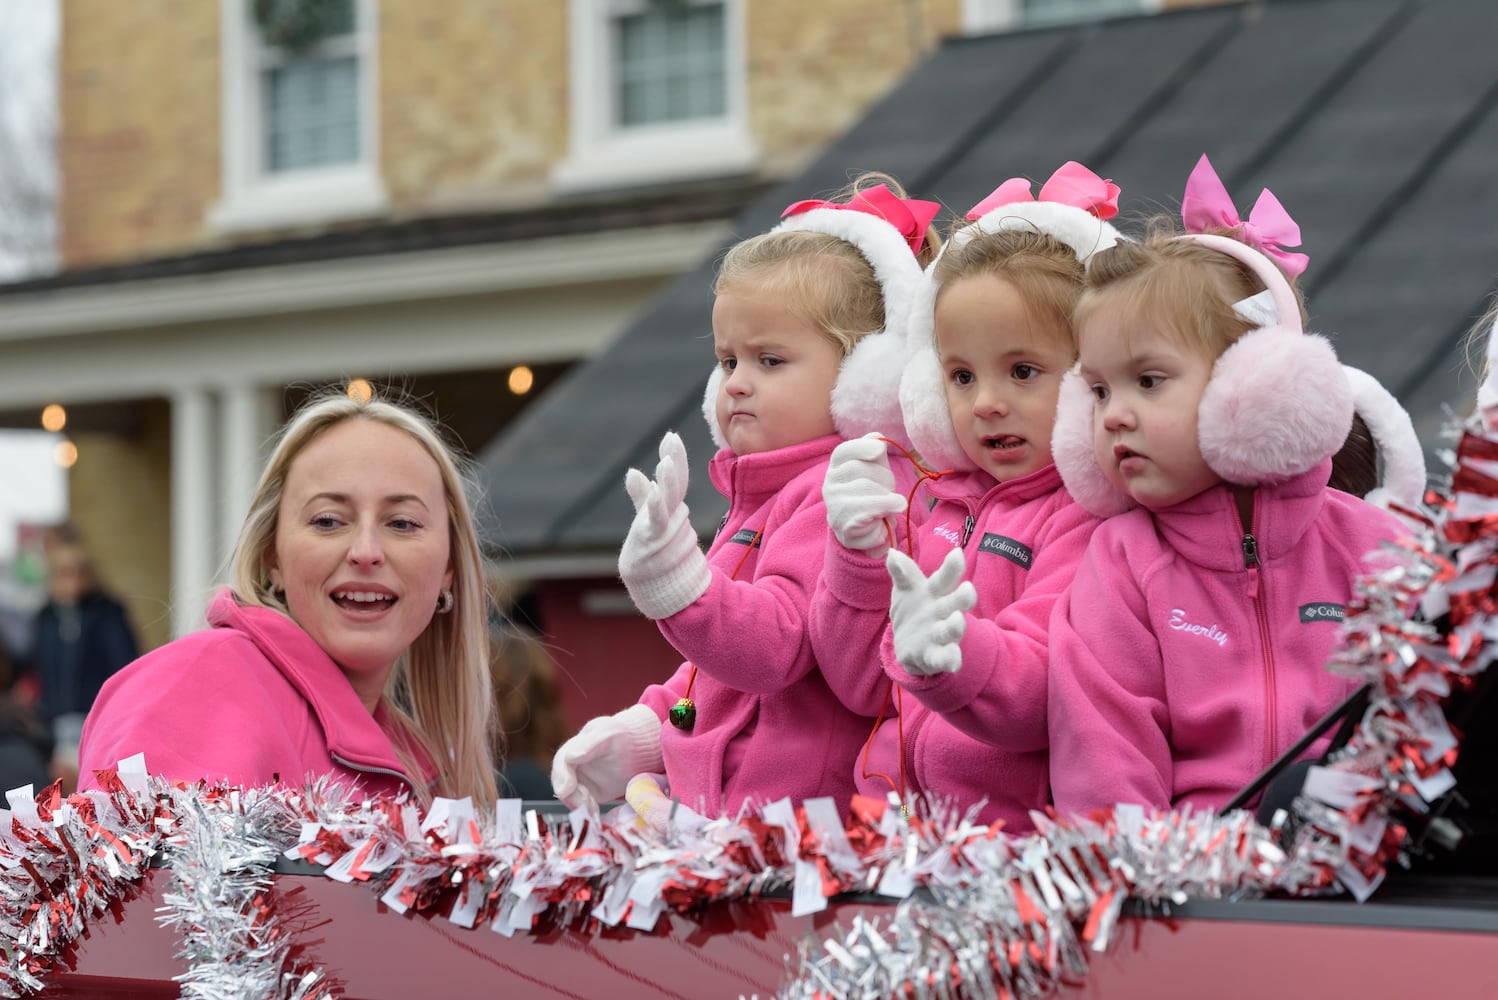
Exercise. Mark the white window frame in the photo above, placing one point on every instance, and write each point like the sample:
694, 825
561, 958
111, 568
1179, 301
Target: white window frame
980, 16
253, 198
603, 155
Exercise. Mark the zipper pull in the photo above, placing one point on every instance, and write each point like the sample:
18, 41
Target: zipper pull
968, 523
1250, 551
721, 522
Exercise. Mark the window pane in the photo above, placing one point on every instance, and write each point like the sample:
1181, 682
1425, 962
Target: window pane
311, 114
669, 65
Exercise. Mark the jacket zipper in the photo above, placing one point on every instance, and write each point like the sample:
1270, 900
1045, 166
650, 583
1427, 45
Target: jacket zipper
968, 523
1252, 565
912, 781
375, 770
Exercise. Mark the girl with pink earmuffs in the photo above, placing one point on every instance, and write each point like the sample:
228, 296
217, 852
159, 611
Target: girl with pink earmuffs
808, 333
954, 663
1190, 650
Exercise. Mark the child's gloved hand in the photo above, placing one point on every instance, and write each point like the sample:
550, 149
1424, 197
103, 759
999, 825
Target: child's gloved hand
860, 493
660, 563
597, 763
927, 615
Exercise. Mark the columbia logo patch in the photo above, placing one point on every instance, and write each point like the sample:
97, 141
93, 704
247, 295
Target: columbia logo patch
744, 536
1322, 611
1016, 552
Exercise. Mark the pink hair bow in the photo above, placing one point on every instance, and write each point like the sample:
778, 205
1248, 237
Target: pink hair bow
910, 216
1072, 184
1269, 227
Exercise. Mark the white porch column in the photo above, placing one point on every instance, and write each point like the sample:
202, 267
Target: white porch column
192, 503
245, 425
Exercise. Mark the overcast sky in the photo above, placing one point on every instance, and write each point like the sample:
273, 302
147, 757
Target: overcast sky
32, 487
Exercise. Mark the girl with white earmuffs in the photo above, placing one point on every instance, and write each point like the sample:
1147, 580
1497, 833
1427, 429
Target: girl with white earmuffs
957, 660
807, 332
1190, 650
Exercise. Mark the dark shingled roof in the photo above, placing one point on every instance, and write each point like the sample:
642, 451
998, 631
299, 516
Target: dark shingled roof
1372, 120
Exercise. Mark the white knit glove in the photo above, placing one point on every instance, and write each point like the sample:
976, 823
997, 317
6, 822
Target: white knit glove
927, 615
597, 763
660, 563
860, 493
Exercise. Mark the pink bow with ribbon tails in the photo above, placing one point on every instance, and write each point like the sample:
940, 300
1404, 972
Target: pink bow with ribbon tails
1269, 228
1072, 184
910, 216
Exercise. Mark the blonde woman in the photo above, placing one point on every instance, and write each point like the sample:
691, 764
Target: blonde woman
353, 639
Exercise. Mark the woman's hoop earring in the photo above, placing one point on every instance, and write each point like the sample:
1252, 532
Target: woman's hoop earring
445, 601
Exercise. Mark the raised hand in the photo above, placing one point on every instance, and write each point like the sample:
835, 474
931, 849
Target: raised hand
859, 491
660, 563
928, 615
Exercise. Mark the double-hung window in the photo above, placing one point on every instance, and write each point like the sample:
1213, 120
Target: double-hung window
299, 113
657, 92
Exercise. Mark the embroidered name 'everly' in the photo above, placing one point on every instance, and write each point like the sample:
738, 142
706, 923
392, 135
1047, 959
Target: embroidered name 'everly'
1016, 552
1180, 624
744, 536
1322, 611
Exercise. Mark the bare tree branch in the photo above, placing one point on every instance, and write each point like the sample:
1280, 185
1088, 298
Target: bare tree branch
28, 136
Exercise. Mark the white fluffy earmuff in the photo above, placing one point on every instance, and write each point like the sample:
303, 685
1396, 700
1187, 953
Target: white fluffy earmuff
866, 395
923, 400
1400, 453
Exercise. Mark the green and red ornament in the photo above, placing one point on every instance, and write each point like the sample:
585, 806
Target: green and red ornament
684, 714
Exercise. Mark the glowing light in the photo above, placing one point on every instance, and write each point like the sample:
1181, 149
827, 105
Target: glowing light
359, 390
521, 380
65, 454
54, 417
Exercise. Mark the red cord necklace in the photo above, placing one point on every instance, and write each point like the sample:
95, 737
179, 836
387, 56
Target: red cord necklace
891, 690
683, 714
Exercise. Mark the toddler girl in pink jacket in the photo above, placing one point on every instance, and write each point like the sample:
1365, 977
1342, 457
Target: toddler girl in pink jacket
955, 663
1189, 651
749, 715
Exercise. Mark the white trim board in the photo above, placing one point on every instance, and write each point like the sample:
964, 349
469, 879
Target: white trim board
615, 255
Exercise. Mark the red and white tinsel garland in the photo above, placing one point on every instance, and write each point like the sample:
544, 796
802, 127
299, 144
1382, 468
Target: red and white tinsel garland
982, 913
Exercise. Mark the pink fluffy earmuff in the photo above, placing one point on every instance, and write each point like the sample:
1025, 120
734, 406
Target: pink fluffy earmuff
1277, 405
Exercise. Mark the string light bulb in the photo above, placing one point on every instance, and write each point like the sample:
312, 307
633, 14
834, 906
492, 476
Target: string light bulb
65, 454
54, 417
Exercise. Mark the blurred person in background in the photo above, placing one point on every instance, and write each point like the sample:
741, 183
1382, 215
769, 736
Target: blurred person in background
25, 744
80, 638
529, 700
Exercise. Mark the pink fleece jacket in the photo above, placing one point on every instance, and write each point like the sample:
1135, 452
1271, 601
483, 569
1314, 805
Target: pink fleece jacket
1189, 653
767, 725
253, 700
979, 733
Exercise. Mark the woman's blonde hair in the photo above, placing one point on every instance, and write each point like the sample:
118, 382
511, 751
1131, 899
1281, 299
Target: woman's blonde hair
440, 689
1045, 271
1475, 343
1189, 288
822, 277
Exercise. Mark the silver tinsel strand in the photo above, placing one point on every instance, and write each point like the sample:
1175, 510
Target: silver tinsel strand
221, 855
